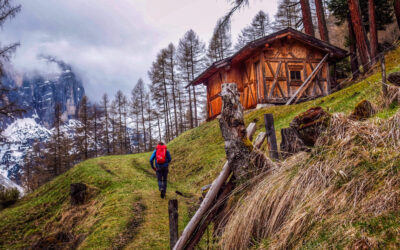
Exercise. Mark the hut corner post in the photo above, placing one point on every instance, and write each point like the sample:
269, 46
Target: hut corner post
238, 148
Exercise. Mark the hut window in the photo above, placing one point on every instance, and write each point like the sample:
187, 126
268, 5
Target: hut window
295, 75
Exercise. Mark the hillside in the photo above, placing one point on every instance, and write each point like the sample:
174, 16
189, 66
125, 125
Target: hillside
125, 209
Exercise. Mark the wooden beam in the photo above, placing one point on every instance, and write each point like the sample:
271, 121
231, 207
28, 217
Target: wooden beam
300, 91
275, 79
264, 80
287, 78
317, 79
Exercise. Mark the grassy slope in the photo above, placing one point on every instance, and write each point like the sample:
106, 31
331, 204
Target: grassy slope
119, 186
122, 183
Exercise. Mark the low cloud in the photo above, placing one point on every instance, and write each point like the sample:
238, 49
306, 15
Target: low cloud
110, 44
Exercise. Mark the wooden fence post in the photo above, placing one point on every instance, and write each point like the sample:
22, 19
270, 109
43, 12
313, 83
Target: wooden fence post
271, 136
383, 69
173, 222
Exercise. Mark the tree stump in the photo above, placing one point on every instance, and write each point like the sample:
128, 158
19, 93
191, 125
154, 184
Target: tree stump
393, 95
310, 124
78, 193
237, 146
362, 111
291, 143
394, 78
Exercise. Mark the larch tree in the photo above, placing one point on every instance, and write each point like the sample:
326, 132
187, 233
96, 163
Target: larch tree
288, 15
82, 134
159, 90
220, 46
120, 103
172, 82
360, 34
373, 32
343, 12
149, 119
96, 128
56, 142
191, 60
322, 27
139, 99
106, 133
7, 108
259, 27
307, 18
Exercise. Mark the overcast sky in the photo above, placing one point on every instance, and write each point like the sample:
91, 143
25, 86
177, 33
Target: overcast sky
112, 43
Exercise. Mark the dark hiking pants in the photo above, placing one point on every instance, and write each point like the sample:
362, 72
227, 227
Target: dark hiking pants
162, 174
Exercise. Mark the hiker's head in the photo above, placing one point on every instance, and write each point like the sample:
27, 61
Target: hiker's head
160, 143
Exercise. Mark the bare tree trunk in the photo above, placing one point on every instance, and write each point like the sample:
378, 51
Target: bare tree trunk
353, 50
143, 122
307, 19
396, 7
190, 105
360, 34
323, 29
373, 30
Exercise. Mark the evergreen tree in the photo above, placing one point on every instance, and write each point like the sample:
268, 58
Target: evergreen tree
82, 134
259, 27
106, 132
288, 15
220, 45
139, 99
160, 92
191, 60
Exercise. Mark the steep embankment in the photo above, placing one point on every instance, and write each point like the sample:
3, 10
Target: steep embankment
125, 209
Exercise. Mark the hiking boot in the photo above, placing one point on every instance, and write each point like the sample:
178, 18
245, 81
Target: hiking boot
162, 193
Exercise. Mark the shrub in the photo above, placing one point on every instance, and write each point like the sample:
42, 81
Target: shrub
8, 196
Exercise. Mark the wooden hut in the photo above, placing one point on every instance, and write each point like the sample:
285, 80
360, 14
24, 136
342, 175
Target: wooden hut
282, 68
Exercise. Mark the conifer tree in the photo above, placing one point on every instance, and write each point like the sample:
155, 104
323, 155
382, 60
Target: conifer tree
191, 60
259, 27
83, 130
106, 132
160, 92
288, 15
220, 46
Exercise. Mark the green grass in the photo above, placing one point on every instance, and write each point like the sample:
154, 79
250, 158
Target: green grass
116, 184
119, 183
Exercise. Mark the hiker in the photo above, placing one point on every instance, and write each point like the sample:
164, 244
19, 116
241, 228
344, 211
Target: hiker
163, 158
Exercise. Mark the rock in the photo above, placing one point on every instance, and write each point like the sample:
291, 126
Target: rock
78, 193
291, 143
204, 190
363, 111
264, 105
310, 124
394, 78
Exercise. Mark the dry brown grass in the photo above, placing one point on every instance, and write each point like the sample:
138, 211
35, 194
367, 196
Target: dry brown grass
346, 175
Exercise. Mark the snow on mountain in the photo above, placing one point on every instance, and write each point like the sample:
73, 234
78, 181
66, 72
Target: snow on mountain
25, 130
18, 139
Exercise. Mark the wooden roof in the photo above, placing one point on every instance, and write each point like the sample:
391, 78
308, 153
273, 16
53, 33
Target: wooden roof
335, 53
